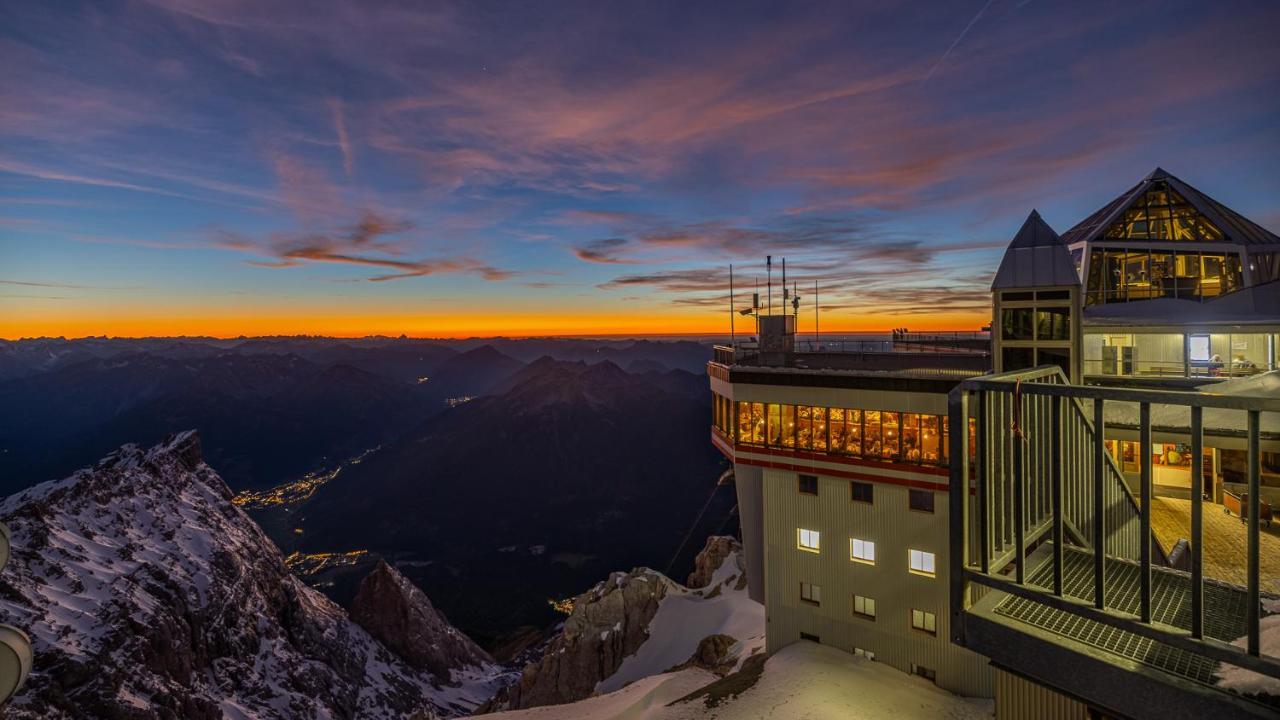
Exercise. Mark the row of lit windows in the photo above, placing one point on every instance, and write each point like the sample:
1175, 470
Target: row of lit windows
871, 434
865, 607
920, 562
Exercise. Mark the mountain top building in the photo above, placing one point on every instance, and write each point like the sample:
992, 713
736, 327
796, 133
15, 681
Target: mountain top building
1071, 514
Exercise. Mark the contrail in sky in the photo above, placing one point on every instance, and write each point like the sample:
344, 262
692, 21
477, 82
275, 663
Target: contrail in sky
959, 37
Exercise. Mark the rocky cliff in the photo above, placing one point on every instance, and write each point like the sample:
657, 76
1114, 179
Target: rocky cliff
642, 623
399, 615
148, 594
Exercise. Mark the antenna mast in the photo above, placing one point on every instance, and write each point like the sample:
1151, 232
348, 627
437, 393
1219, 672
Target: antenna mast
815, 312
768, 268
732, 309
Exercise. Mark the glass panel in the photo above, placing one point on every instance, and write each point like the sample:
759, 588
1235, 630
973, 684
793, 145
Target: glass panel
1232, 277
1162, 273
889, 438
929, 438
835, 423
1114, 274
788, 426
757, 423
853, 437
1163, 214
1095, 278
911, 437
1053, 323
819, 428
775, 425
1016, 323
803, 427
744, 422
1210, 275
871, 433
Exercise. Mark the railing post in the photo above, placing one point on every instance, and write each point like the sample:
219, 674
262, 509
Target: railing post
982, 500
958, 419
1055, 483
1144, 447
1099, 506
1197, 522
1019, 493
1255, 504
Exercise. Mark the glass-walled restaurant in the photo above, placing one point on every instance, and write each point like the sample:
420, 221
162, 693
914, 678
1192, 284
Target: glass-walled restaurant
1125, 274
1180, 354
869, 434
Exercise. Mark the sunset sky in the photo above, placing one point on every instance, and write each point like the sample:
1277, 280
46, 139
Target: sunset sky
226, 168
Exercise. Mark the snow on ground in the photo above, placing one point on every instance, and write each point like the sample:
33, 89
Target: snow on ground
1248, 681
803, 681
685, 617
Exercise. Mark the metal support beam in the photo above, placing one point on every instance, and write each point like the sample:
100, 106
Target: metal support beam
1254, 460
1055, 488
1197, 522
1144, 447
1099, 507
983, 500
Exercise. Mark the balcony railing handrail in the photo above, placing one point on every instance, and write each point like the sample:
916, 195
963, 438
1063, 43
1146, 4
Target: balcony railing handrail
1047, 383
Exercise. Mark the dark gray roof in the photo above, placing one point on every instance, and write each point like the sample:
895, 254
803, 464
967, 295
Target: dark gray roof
1036, 257
1234, 226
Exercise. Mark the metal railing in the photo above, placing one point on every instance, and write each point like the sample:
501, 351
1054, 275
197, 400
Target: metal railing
1040, 476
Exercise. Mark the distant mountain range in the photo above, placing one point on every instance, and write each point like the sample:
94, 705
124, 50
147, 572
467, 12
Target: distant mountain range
270, 409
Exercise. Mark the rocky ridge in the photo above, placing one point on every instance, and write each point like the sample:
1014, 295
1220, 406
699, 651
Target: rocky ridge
148, 594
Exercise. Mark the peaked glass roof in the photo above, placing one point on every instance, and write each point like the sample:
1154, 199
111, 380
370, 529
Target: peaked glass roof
1163, 208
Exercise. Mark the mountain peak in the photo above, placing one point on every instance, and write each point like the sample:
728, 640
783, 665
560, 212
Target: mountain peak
399, 614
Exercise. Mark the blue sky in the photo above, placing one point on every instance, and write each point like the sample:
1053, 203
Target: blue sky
186, 166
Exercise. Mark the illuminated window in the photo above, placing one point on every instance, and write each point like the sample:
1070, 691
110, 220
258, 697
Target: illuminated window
1163, 214
788, 426
804, 427
808, 484
819, 428
864, 606
911, 437
835, 426
871, 434
924, 621
924, 563
921, 500
1016, 324
775, 425
807, 540
862, 551
930, 438
862, 491
889, 435
757, 423
853, 432
812, 594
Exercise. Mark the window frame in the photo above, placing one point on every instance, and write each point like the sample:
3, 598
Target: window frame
924, 621
913, 493
932, 558
801, 479
814, 598
815, 535
866, 544
871, 616
871, 492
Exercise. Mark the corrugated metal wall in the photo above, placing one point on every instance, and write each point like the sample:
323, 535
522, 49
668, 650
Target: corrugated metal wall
1018, 699
895, 529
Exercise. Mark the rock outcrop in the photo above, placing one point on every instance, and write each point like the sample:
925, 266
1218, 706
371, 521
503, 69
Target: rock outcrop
399, 614
610, 623
711, 557
148, 594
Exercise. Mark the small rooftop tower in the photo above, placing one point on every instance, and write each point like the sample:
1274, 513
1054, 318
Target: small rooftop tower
1036, 303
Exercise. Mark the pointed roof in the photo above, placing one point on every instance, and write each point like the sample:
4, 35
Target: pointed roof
1196, 216
1036, 257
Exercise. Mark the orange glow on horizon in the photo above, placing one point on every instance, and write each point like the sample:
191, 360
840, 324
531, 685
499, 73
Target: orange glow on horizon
446, 325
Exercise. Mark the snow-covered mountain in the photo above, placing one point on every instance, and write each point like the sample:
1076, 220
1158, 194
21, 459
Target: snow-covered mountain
148, 594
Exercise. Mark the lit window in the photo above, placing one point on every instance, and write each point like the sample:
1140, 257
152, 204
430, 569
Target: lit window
808, 484
864, 606
921, 500
924, 621
862, 491
862, 551
807, 539
811, 593
924, 563
862, 653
